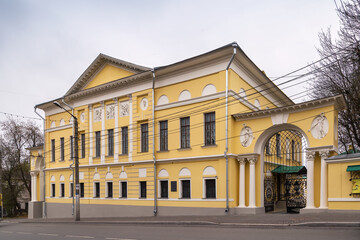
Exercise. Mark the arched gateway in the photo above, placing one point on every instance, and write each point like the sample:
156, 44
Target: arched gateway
281, 156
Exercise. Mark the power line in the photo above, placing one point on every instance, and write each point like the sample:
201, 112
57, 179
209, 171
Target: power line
19, 116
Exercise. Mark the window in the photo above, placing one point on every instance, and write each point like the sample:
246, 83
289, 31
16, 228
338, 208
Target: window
143, 189
287, 142
83, 145
62, 153
62, 190
110, 142
71, 193
185, 189
97, 144
210, 128
53, 190
210, 188
53, 150
164, 189
82, 190
71, 147
124, 139
163, 135
109, 189
185, 132
144, 138
267, 148
123, 189
293, 150
278, 146
96, 189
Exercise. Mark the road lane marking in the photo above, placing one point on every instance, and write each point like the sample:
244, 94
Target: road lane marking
78, 236
23, 233
7, 232
120, 238
48, 234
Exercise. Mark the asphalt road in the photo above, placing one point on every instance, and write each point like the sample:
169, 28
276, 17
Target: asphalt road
73, 231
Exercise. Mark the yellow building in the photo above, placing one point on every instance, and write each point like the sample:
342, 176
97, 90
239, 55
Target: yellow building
209, 135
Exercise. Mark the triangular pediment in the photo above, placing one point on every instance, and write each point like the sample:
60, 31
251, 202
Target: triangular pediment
102, 70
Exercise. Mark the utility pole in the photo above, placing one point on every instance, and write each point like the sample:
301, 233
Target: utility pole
76, 149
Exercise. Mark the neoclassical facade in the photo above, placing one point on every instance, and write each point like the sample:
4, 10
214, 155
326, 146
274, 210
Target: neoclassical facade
209, 135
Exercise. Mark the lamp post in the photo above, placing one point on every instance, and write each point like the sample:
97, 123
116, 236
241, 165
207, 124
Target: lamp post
76, 149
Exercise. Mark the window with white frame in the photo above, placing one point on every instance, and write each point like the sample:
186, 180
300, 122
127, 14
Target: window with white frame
287, 142
109, 189
142, 189
164, 188
96, 189
209, 188
52, 189
185, 191
123, 189
62, 189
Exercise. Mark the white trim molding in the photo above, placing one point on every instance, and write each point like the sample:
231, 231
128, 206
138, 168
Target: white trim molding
344, 199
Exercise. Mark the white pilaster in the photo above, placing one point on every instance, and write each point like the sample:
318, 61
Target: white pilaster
323, 184
252, 184
310, 156
90, 134
34, 186
130, 129
103, 134
241, 182
116, 132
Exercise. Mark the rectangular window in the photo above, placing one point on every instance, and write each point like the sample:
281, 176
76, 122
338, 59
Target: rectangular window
185, 132
109, 189
110, 142
71, 193
53, 150
62, 150
267, 148
287, 142
210, 128
278, 145
96, 189
144, 138
185, 189
71, 147
210, 188
97, 143
83, 145
82, 190
53, 190
164, 189
163, 135
124, 140
123, 189
143, 189
62, 190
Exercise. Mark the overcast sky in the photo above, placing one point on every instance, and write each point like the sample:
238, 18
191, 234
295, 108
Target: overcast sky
46, 45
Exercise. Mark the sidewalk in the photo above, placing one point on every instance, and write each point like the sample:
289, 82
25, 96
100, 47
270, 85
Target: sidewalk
260, 220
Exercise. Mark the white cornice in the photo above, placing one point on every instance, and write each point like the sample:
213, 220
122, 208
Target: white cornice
59, 128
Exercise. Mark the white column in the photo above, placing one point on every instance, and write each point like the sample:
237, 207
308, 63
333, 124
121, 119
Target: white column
130, 129
103, 134
90, 135
33, 186
310, 156
241, 182
252, 185
116, 131
323, 186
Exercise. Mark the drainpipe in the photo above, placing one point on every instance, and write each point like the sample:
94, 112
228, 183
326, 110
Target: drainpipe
226, 128
153, 145
73, 201
44, 188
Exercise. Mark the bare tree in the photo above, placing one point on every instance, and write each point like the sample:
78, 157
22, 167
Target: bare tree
339, 73
15, 137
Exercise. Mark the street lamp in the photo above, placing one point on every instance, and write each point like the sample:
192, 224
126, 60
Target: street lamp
76, 149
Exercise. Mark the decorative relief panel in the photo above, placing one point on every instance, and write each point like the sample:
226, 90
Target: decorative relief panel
124, 109
97, 114
82, 117
144, 103
319, 126
110, 111
62, 122
246, 136
53, 124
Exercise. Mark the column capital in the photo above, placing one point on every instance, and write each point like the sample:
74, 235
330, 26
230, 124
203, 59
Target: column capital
252, 161
90, 106
102, 103
115, 99
34, 173
241, 160
324, 154
310, 156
